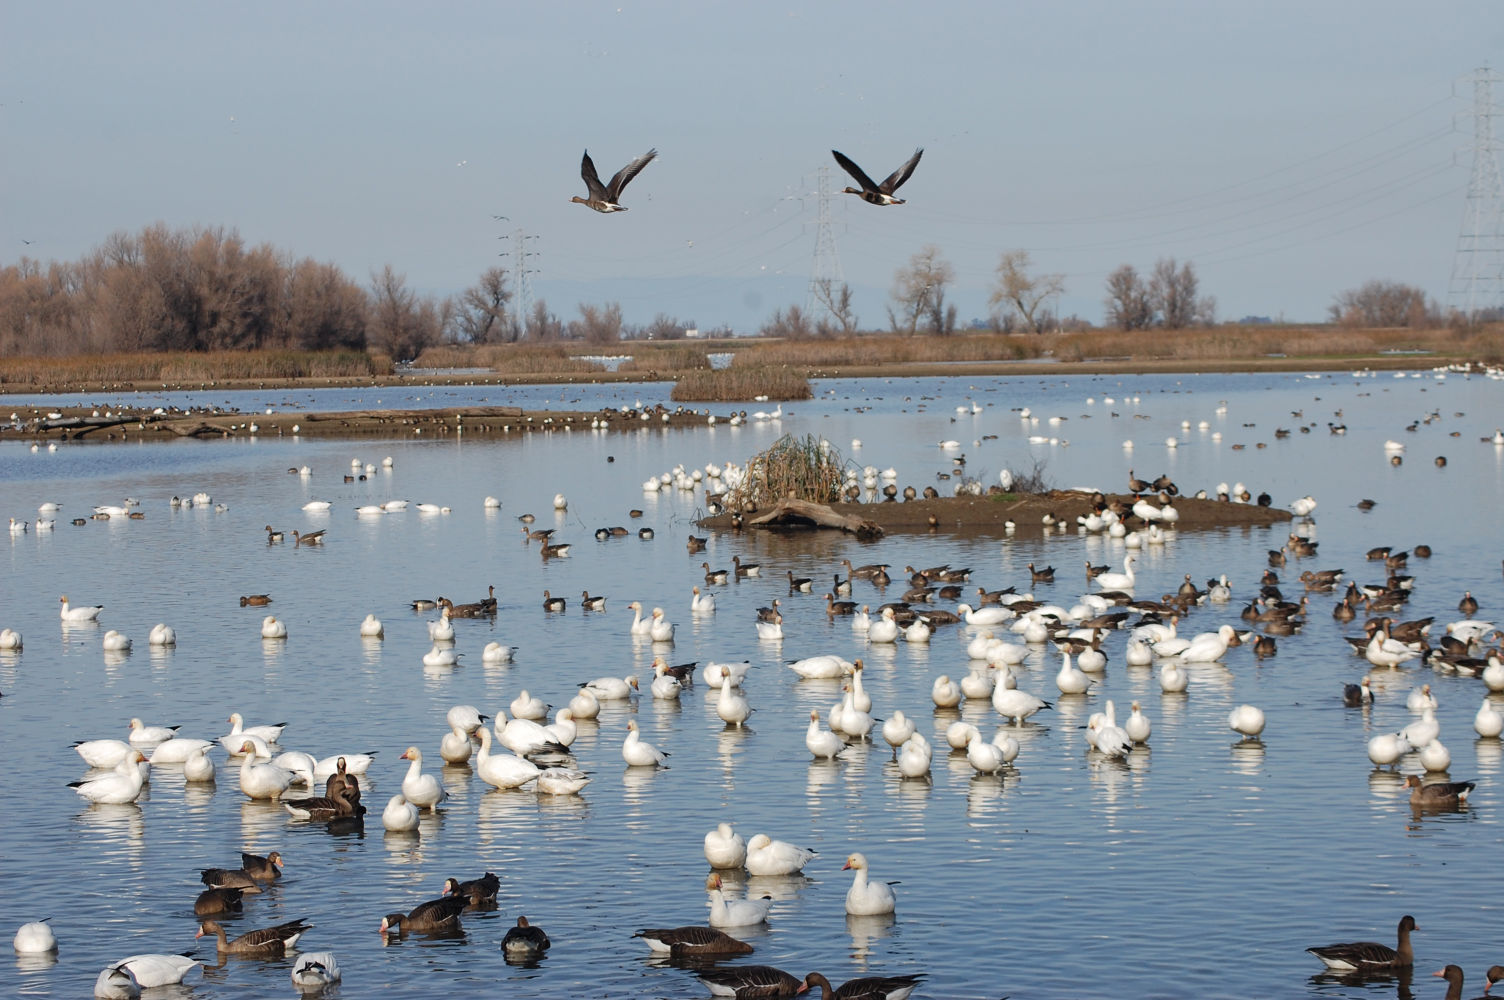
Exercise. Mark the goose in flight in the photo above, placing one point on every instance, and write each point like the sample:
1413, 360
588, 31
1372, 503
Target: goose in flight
877, 194
603, 198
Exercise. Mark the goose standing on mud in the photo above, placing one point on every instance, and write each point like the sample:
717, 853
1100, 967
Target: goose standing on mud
604, 197
871, 192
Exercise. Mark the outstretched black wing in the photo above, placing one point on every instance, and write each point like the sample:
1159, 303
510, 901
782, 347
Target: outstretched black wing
896, 178
625, 174
855, 171
592, 179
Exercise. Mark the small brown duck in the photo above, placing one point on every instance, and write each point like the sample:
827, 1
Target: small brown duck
605, 198
272, 942
255, 600
871, 192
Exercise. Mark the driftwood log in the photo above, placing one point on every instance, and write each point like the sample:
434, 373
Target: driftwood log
804, 514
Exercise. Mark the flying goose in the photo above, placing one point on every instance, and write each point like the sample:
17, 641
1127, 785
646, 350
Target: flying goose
872, 193
603, 198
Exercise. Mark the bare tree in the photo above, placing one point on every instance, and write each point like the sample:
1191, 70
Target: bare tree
1128, 303
1022, 292
322, 308
1385, 303
837, 303
918, 293
665, 327
543, 325
597, 324
402, 324
481, 314
1172, 293
790, 325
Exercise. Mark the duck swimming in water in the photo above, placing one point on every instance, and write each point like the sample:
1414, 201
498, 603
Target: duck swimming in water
877, 194
603, 197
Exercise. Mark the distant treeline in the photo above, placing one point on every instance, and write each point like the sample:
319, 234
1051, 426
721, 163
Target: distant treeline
166, 290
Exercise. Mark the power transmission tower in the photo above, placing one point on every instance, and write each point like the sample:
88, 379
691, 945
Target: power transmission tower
1477, 283
522, 274
825, 274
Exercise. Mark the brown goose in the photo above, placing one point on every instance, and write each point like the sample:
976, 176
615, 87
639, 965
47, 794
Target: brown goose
695, 544
869, 572
229, 878
745, 569
714, 575
267, 869
442, 914
1453, 975
524, 941
1469, 604
871, 192
751, 982
1495, 975
214, 901
555, 551
803, 584
477, 891
865, 988
1046, 575
1357, 695
1439, 794
834, 607
324, 807
596, 603
269, 941
339, 779
605, 197
273, 536
551, 603
312, 538
1370, 956
687, 942
540, 535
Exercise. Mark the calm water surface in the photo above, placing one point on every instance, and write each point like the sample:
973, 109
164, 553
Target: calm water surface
1199, 866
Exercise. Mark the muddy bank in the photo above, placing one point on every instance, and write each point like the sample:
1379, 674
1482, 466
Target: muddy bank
990, 515
84, 424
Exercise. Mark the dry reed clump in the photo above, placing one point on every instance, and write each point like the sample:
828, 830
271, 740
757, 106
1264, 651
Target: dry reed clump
739, 383
805, 468
191, 367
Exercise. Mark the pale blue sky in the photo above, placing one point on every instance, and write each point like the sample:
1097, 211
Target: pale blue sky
1289, 149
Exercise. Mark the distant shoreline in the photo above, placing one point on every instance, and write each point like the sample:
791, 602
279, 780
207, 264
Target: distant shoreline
1042, 368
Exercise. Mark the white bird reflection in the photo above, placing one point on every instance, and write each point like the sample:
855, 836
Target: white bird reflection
865, 932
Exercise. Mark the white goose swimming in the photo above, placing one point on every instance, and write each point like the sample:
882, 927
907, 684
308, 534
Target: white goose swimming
885, 629
640, 625
731, 706
1387, 748
945, 693
1246, 719
1069, 679
116, 642
610, 689
734, 912
990, 615
822, 743
262, 781
702, 604
10, 639
822, 667
1208, 646
1137, 725
725, 848
102, 753
272, 628
766, 856
400, 815
371, 628
528, 707
584, 704
1118, 581
151, 971
898, 729
35, 938
1488, 723
162, 634
521, 736
121, 785
199, 766
665, 686
232, 740
914, 757
177, 750
87, 613
443, 629
502, 770
422, 790
563, 728
866, 898
717, 674
496, 652
1017, 705
660, 629
638, 753
144, 735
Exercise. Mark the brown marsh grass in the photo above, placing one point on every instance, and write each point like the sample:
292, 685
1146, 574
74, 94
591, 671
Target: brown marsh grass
191, 367
1230, 343
741, 383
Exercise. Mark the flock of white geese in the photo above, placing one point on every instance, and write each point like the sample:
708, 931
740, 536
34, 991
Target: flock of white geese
523, 745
